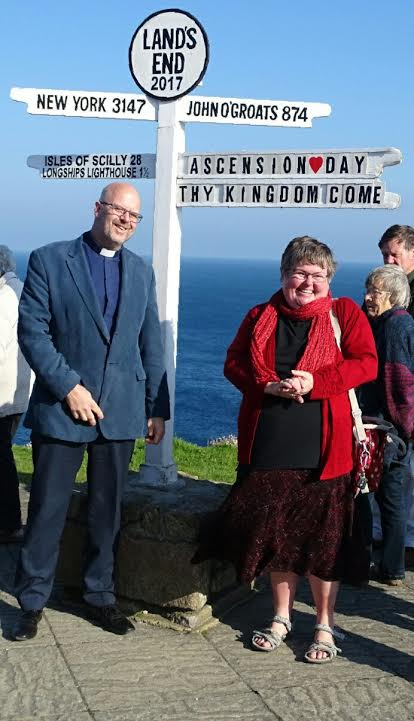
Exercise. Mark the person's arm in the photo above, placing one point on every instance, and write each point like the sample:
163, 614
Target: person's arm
157, 402
35, 336
237, 366
399, 374
360, 362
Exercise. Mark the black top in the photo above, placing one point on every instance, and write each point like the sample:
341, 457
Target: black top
288, 433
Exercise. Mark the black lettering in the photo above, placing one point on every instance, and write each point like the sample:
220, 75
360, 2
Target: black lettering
259, 164
349, 194
243, 110
183, 188
157, 40
208, 190
284, 193
220, 166
312, 194
377, 195
270, 194
273, 112
191, 42
232, 165
246, 165
228, 198
333, 194
179, 63
251, 111
194, 167
207, 166
364, 194
259, 112
225, 110
145, 41
298, 194
179, 38
287, 164
359, 162
255, 193
168, 38
330, 164
344, 165
41, 102
156, 63
301, 164
234, 110
195, 190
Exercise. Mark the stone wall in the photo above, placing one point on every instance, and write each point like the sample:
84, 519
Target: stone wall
154, 575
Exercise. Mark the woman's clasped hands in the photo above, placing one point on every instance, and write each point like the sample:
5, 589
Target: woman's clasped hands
294, 388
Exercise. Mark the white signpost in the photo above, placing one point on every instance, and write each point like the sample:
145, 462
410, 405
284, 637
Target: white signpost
168, 57
109, 166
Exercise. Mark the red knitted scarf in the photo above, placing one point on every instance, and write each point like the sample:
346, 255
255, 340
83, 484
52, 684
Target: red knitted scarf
321, 346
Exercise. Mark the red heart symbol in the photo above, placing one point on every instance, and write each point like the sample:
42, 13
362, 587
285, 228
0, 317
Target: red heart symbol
316, 163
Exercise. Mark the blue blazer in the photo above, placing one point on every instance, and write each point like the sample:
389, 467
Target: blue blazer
64, 338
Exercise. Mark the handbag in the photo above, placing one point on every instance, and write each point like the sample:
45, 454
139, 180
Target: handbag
371, 435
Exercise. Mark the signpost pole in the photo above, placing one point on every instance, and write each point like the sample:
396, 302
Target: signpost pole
159, 468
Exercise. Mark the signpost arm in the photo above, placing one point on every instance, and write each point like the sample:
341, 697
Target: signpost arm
159, 468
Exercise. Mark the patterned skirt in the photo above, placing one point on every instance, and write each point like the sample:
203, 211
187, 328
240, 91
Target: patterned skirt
289, 520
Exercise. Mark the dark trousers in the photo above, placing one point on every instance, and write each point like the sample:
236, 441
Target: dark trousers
55, 466
391, 502
10, 514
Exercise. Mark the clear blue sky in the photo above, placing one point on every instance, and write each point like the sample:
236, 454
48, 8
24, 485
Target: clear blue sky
355, 56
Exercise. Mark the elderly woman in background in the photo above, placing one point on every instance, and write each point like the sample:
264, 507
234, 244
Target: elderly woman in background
290, 512
391, 396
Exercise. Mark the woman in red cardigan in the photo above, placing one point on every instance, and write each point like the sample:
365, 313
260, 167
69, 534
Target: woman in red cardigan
290, 512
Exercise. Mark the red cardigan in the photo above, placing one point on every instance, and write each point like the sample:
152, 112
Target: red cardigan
356, 364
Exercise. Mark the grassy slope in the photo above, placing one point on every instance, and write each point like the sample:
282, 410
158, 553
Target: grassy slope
217, 463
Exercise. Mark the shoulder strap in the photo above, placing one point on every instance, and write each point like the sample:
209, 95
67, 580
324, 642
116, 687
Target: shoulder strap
356, 411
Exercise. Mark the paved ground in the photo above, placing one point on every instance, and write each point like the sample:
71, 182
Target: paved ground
74, 671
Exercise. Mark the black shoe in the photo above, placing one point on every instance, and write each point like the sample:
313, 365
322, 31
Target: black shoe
26, 627
110, 618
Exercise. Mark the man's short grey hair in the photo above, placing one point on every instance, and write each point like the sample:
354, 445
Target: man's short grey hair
7, 262
392, 279
403, 234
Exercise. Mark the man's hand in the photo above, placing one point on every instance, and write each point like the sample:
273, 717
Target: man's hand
82, 406
156, 430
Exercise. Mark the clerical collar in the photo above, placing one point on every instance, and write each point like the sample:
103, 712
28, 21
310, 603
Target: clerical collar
100, 251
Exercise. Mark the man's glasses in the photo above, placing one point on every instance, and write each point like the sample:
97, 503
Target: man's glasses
120, 211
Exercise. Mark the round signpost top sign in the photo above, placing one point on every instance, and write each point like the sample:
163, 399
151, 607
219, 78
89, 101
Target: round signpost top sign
168, 54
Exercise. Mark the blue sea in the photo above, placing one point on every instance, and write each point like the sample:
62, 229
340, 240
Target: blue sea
214, 297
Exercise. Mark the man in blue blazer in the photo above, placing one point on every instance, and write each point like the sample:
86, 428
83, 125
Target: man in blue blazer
89, 328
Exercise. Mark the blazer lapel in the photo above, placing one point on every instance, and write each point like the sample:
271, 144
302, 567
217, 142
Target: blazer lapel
131, 288
78, 268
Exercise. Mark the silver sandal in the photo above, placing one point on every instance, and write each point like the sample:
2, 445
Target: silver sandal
324, 646
272, 637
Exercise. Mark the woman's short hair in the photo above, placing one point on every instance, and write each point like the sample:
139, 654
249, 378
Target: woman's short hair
6, 260
392, 279
305, 249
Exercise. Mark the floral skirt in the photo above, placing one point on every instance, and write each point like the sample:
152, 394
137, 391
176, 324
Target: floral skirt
289, 520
